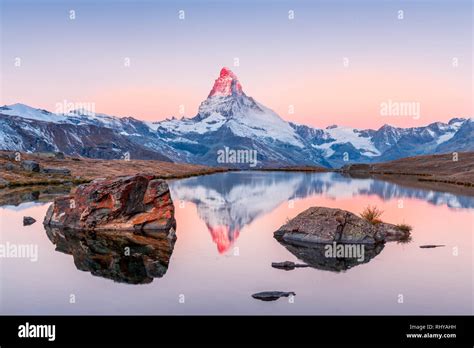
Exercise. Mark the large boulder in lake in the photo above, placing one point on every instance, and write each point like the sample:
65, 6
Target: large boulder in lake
133, 203
327, 225
334, 239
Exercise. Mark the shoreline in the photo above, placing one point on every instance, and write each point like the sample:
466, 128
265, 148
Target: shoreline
412, 171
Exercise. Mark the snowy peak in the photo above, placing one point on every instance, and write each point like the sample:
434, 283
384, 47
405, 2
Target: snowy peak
25, 111
226, 84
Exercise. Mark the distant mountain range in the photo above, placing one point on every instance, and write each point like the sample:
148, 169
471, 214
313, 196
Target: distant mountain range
230, 119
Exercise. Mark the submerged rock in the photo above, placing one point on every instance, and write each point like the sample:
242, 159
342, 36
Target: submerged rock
272, 295
334, 239
139, 202
28, 220
122, 256
288, 265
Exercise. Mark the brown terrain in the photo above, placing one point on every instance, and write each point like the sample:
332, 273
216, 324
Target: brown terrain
86, 169
315, 169
17, 184
55, 175
438, 172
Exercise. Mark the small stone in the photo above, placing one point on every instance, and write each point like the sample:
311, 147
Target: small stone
288, 265
58, 171
431, 246
4, 182
28, 220
59, 155
272, 295
11, 166
30, 166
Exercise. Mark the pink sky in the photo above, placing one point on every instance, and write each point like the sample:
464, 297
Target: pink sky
282, 63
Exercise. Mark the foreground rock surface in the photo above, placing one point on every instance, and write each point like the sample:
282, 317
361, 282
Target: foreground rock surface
272, 295
139, 202
327, 225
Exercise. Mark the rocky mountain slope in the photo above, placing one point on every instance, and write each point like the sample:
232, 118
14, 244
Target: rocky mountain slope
228, 120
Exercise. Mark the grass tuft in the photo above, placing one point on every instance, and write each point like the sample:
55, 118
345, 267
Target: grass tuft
372, 214
405, 228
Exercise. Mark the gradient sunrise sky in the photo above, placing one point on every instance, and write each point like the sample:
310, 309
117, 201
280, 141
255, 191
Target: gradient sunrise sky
283, 62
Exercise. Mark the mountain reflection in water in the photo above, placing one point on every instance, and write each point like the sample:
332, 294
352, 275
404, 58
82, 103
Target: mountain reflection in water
228, 202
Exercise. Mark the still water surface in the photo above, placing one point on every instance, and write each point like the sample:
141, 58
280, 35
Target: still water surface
225, 247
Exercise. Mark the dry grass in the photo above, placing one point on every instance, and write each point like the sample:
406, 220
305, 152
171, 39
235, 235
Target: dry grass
405, 240
404, 227
86, 169
436, 168
372, 214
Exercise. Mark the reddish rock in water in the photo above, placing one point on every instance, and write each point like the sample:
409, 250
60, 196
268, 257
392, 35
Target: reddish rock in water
139, 202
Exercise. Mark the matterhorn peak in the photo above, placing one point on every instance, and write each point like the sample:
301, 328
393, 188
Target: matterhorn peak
226, 84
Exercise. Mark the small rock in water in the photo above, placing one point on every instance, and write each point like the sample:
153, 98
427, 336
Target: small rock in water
431, 246
272, 295
288, 265
28, 220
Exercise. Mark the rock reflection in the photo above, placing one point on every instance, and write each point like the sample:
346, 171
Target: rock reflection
124, 257
315, 256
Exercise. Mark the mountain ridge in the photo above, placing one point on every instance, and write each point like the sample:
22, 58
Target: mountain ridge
228, 118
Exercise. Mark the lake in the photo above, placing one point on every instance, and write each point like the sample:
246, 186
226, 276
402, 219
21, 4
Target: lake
225, 247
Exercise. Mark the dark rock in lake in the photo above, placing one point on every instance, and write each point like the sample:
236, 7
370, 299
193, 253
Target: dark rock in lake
429, 246
139, 202
30, 166
272, 295
327, 225
57, 171
122, 256
288, 265
334, 239
28, 220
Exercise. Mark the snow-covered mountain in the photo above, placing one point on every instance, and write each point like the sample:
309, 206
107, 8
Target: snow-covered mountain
227, 120
23, 128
